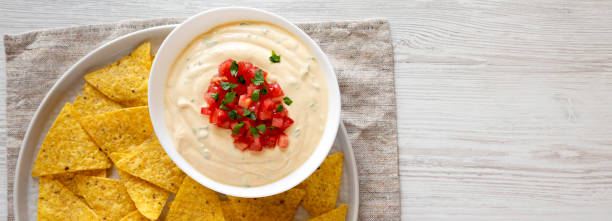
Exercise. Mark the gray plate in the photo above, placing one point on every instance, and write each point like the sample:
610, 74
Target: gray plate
69, 85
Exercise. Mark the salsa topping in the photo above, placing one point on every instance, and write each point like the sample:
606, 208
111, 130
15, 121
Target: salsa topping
240, 99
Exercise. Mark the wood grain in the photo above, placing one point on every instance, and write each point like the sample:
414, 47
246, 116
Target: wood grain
505, 107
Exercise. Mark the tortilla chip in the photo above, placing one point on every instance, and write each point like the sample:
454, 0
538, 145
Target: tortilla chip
279, 207
120, 130
322, 186
134, 216
229, 213
149, 199
69, 179
126, 79
67, 148
107, 197
55, 202
93, 102
195, 202
337, 214
150, 162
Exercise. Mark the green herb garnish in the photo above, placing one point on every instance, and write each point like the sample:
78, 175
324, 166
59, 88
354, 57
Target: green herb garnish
237, 128
261, 128
228, 85
275, 58
287, 100
233, 115
259, 78
223, 107
253, 131
215, 96
279, 108
241, 80
249, 114
234, 68
255, 95
229, 97
264, 90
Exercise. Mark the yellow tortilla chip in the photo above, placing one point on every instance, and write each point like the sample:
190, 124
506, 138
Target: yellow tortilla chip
150, 162
148, 198
134, 216
120, 130
229, 213
93, 102
107, 197
279, 207
67, 148
322, 186
69, 179
337, 214
126, 79
55, 202
195, 202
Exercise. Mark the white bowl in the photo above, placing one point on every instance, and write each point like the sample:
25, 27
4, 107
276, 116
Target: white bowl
171, 48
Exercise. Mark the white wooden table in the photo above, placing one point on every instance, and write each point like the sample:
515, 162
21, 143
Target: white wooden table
505, 107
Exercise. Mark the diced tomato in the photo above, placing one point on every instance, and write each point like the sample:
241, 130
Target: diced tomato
219, 110
274, 90
283, 141
256, 145
277, 122
244, 101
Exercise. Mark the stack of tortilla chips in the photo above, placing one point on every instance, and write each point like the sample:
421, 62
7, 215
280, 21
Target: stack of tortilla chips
108, 124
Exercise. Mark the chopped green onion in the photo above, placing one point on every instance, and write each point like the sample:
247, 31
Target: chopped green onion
288, 100
237, 128
234, 68
255, 95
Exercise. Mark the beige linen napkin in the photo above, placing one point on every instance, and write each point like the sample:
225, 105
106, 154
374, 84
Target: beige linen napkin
360, 51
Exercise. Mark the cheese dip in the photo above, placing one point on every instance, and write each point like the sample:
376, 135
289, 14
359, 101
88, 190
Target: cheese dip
210, 149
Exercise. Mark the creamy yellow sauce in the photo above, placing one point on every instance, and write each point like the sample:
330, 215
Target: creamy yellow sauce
209, 148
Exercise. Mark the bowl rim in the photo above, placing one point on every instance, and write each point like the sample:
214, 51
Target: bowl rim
166, 57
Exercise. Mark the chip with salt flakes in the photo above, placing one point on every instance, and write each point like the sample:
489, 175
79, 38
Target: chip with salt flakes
134, 216
322, 186
278, 207
148, 198
69, 179
150, 162
93, 102
337, 214
125, 81
55, 202
107, 197
67, 148
119, 131
195, 202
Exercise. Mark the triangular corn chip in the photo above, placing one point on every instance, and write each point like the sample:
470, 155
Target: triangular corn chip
125, 81
150, 162
322, 186
93, 102
55, 202
278, 207
120, 130
69, 179
195, 202
67, 148
134, 216
337, 214
107, 197
148, 198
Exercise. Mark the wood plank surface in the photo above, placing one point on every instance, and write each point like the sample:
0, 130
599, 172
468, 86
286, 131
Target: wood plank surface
504, 107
